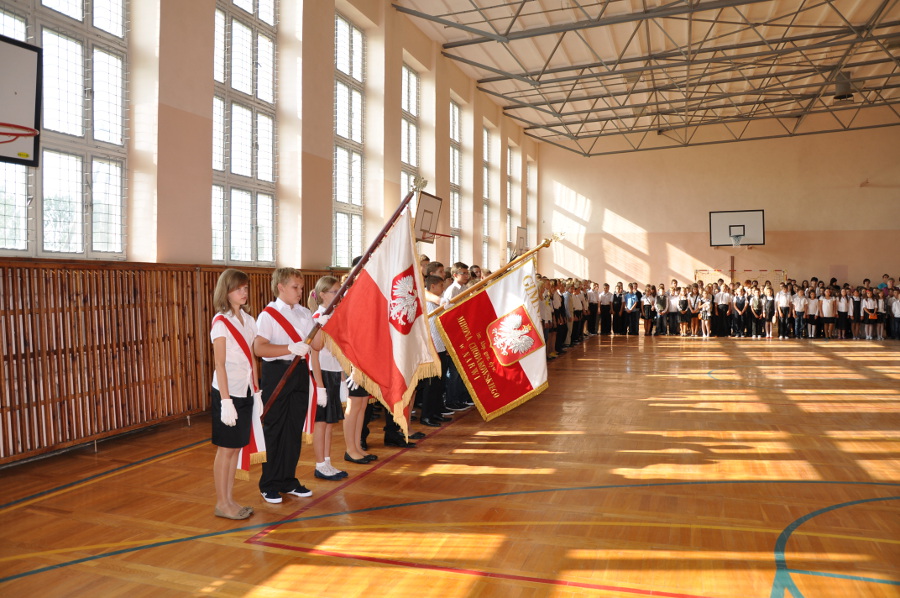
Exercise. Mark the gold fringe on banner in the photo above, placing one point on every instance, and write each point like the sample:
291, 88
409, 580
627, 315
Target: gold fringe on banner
257, 458
240, 474
307, 438
430, 369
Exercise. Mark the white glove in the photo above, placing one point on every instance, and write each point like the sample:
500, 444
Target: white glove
299, 348
345, 393
321, 397
351, 383
257, 401
319, 317
229, 413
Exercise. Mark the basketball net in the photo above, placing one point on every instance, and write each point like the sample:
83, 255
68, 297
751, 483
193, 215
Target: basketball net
736, 240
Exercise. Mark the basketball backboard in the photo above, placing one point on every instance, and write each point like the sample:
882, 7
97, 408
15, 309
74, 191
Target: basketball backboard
738, 227
20, 101
428, 210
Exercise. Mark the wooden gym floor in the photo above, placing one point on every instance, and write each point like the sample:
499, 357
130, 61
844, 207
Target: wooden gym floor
651, 467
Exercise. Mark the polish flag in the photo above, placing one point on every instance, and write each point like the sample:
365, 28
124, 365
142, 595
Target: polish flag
496, 340
379, 330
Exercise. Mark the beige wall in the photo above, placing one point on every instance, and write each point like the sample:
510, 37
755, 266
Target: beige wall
645, 216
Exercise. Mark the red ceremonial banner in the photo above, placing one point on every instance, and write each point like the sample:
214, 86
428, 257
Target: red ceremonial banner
496, 342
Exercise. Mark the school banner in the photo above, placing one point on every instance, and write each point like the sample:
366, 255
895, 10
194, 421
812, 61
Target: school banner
496, 341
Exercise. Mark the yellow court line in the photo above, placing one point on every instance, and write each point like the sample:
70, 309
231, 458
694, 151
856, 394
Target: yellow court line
393, 526
100, 478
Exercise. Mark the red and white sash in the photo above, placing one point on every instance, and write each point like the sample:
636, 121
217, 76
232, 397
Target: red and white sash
310, 421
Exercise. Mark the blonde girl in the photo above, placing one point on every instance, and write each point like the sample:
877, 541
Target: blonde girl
329, 382
234, 387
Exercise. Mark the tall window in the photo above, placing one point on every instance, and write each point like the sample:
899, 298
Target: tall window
409, 129
79, 190
486, 198
349, 107
455, 180
244, 167
510, 201
531, 202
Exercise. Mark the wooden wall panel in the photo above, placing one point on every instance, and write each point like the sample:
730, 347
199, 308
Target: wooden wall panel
89, 350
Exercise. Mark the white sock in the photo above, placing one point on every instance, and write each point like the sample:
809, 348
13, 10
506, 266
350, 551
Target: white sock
323, 467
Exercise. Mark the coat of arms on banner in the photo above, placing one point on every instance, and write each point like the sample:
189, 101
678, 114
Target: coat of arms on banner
514, 336
404, 303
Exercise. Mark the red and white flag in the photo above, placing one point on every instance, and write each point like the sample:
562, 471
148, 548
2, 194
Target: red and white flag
380, 329
496, 340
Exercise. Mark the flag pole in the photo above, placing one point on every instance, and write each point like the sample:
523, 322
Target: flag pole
418, 184
482, 283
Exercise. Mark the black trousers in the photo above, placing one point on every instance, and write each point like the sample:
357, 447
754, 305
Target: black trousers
593, 310
433, 391
283, 425
605, 319
724, 325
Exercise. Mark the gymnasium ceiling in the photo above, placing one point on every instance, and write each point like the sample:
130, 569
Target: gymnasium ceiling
612, 76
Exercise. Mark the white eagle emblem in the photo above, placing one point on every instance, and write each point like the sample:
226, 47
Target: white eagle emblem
404, 301
511, 336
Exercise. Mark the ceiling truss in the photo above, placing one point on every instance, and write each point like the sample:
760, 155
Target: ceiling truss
612, 76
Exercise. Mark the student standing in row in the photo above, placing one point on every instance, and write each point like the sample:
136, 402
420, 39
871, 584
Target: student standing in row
283, 325
233, 386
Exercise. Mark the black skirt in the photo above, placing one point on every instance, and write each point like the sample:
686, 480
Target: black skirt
238, 435
333, 411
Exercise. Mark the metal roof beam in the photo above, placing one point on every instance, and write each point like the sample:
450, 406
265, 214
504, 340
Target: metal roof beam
653, 13
843, 31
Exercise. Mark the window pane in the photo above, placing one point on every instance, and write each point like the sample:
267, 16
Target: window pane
241, 140
267, 11
12, 26
342, 174
342, 239
241, 225
218, 223
455, 128
404, 141
342, 110
265, 156
108, 103
454, 210
355, 235
219, 51
413, 144
484, 256
218, 134
356, 178
454, 166
485, 182
71, 8
63, 208
108, 16
342, 46
454, 249
13, 206
265, 228
63, 84
106, 206
357, 57
245, 4
241, 57
485, 218
404, 89
356, 116
265, 86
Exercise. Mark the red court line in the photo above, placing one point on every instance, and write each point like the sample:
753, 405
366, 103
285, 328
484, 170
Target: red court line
476, 573
355, 478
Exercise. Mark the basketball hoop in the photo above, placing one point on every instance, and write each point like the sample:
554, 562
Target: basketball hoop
736, 240
10, 132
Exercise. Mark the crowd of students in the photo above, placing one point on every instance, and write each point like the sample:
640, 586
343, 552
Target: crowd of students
573, 309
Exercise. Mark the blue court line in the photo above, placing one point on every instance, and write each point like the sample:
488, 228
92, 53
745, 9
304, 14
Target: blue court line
783, 580
270, 524
100, 475
889, 582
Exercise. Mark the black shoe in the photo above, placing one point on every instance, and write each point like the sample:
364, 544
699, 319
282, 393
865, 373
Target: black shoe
431, 423
447, 412
362, 461
442, 419
417, 436
334, 478
370, 457
457, 407
399, 442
